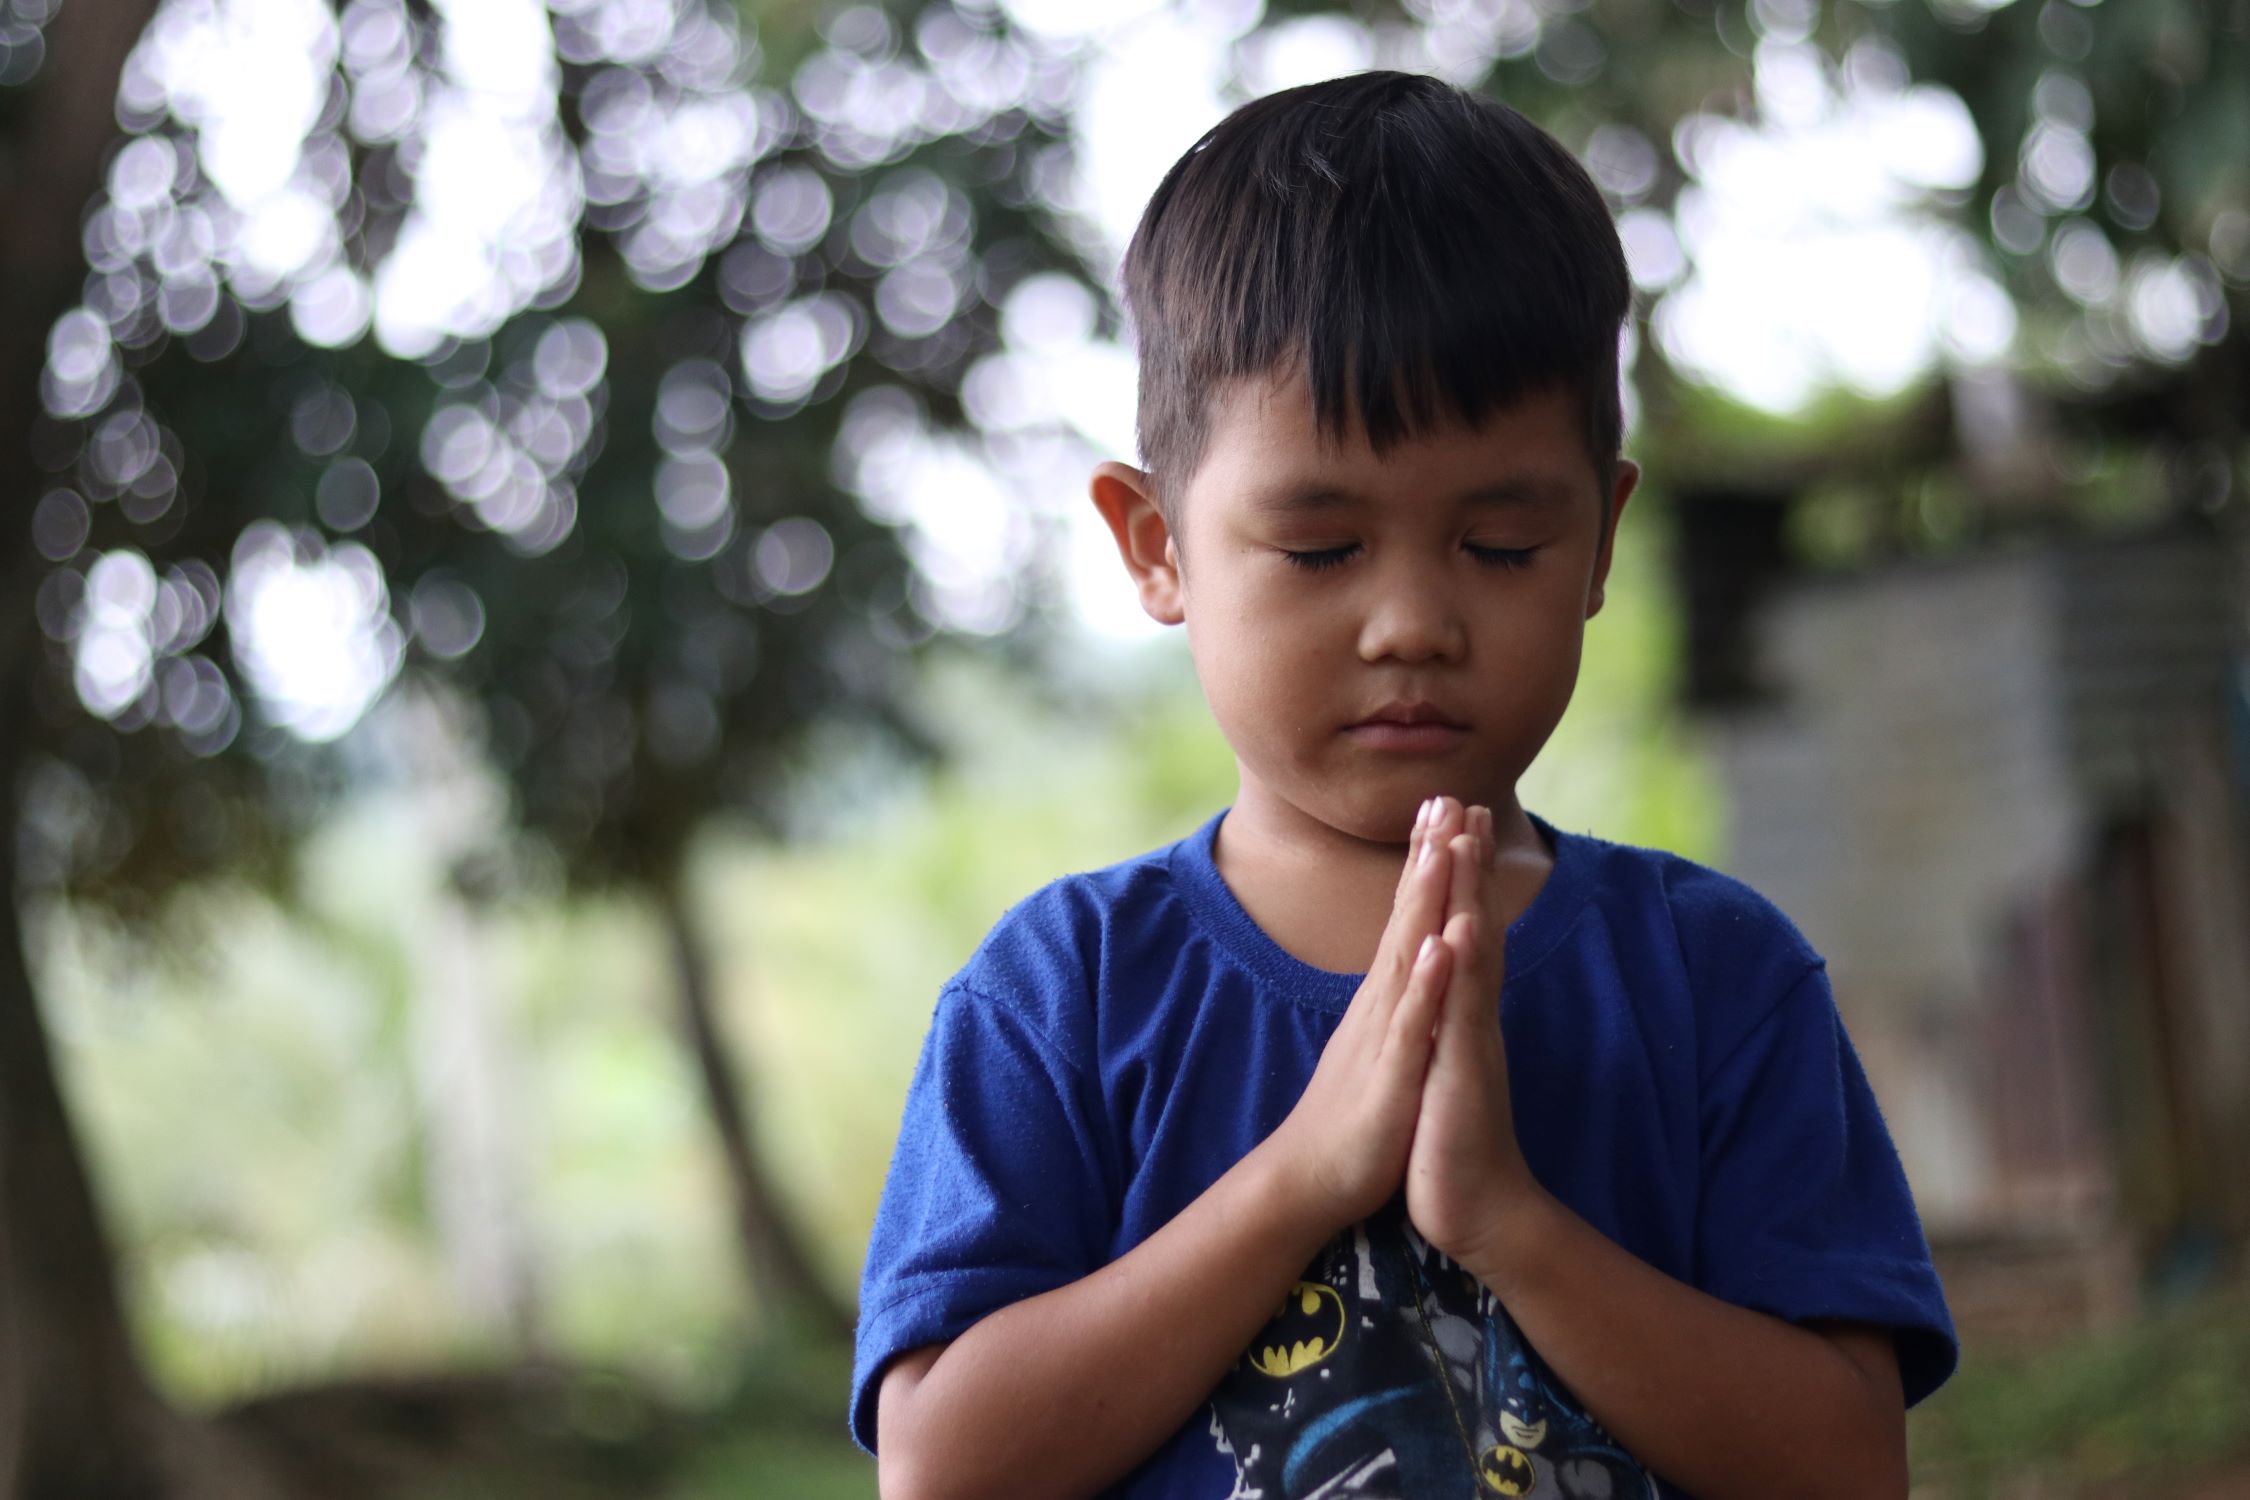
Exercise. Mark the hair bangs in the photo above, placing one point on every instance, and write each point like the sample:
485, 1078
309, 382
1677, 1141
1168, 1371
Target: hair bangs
1419, 253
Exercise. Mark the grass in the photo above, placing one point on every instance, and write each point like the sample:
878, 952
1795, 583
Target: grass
2153, 1409
2160, 1408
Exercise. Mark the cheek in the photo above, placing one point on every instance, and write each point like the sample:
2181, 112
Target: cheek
1238, 609
1538, 685
1285, 617
1550, 642
1553, 625
1262, 666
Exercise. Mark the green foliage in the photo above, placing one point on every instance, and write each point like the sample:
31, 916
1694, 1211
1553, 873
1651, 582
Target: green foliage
629, 671
1624, 763
796, 1464
833, 954
2134, 1411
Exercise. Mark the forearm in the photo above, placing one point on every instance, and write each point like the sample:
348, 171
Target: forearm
1721, 1400
1062, 1393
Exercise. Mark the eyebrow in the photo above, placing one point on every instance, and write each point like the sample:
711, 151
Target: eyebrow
1527, 493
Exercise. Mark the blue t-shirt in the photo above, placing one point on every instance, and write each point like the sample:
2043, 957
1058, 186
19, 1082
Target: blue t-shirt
1679, 1077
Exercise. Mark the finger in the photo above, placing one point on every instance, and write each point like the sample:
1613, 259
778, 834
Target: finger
1492, 923
1416, 911
1463, 1007
1433, 861
1418, 1005
1488, 864
1466, 889
1414, 841
1433, 825
1421, 906
1448, 820
1445, 812
1483, 897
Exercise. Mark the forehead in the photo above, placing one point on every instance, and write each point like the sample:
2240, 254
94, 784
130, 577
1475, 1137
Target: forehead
1265, 453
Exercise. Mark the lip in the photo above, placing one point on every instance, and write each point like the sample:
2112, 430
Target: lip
1414, 713
1383, 734
1408, 724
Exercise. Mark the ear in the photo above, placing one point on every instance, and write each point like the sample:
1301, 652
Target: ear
1127, 501
1628, 476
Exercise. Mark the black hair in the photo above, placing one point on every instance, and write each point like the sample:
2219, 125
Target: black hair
1424, 252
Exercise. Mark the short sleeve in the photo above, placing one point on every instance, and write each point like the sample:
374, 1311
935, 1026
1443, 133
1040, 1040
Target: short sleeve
1805, 1208
996, 1191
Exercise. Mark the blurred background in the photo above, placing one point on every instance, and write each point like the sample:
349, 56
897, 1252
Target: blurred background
549, 602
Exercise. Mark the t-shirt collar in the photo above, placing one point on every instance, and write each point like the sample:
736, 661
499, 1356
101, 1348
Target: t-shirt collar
1531, 937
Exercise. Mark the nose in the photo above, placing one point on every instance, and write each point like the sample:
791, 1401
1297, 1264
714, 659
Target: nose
1413, 618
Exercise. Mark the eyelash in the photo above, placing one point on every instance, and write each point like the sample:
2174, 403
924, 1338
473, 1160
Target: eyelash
1336, 557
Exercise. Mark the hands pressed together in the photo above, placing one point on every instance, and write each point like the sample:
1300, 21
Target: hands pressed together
1414, 1082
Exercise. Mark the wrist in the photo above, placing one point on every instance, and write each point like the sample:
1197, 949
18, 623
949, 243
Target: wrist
1511, 1240
1286, 1197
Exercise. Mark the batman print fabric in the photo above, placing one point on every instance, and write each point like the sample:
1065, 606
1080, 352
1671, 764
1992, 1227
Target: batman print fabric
1391, 1373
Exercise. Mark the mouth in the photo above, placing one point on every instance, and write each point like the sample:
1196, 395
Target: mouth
1409, 716
1409, 727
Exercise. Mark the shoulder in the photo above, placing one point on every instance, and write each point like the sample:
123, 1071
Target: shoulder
1046, 956
1718, 918
1739, 953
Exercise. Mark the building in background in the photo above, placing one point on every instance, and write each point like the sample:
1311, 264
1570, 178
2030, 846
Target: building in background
2007, 793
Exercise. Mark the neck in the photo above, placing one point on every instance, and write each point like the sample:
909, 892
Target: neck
1324, 893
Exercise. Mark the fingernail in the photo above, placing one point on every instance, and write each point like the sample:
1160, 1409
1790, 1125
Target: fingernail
1422, 815
1429, 949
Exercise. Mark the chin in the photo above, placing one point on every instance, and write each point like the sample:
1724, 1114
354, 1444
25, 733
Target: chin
1385, 813
1376, 814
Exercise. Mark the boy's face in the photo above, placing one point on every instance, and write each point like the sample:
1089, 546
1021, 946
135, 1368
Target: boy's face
1461, 567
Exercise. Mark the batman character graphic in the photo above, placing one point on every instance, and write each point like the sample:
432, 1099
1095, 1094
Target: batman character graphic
1390, 1373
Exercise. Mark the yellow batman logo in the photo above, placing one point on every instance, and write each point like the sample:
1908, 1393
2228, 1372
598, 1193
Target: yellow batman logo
1304, 1332
1505, 1471
1523, 1434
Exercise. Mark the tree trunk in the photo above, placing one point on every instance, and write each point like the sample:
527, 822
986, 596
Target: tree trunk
78, 1416
464, 1081
464, 1051
781, 1272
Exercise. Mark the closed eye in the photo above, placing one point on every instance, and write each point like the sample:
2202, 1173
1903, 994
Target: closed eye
1491, 557
1313, 562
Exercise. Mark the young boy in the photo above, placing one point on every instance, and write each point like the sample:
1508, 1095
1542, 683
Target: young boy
1379, 1138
